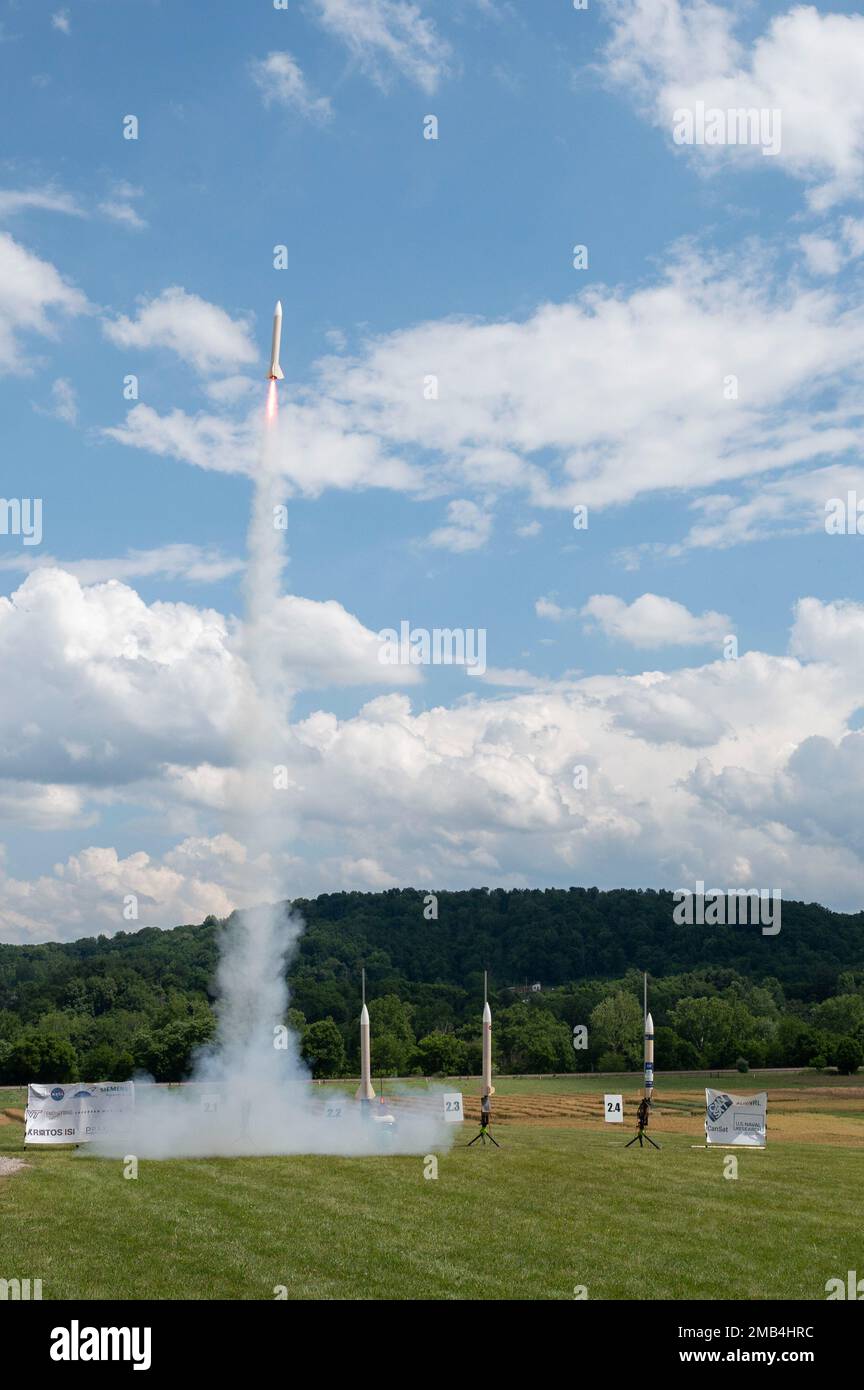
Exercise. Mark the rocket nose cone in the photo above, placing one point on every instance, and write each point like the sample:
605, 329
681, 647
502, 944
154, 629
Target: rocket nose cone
364, 1016
277, 312
487, 1014
649, 1024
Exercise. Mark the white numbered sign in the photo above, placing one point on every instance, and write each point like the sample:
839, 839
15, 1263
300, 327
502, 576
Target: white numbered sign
613, 1108
453, 1107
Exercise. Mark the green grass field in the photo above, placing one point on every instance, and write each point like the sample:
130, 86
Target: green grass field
551, 1210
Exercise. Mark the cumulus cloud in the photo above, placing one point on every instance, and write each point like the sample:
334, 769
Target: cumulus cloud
280, 80
668, 55
468, 527
654, 621
151, 683
143, 680
89, 892
832, 632
388, 35
201, 334
30, 291
690, 772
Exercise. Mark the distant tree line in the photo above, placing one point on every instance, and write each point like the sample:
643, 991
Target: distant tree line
103, 1008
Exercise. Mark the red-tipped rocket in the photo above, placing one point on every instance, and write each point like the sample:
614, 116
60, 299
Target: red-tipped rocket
649, 1057
276, 373
488, 1089
364, 1090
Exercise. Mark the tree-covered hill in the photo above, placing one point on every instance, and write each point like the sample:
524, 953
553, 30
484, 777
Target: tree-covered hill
106, 1006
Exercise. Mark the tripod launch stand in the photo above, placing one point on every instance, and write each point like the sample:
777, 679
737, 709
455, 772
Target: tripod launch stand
485, 1133
642, 1116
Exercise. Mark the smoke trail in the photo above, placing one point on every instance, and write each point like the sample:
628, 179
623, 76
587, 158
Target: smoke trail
253, 1093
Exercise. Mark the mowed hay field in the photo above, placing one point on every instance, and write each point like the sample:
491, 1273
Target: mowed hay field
561, 1204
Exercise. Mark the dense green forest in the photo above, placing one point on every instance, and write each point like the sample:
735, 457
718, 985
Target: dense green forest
103, 1008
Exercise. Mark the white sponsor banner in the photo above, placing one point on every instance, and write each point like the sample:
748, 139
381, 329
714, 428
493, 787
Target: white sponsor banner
613, 1107
75, 1112
735, 1119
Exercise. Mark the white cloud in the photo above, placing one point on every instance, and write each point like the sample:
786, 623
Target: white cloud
612, 396
316, 449
42, 806
231, 390
323, 645
824, 256
670, 54
513, 676
29, 288
47, 199
548, 607
690, 772
117, 206
150, 683
207, 441
595, 401
280, 80
654, 621
831, 632
88, 893
64, 399
60, 20
201, 334
192, 563
789, 505
123, 213
468, 528
389, 34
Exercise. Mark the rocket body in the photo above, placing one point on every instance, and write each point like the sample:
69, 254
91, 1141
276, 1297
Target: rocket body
487, 1089
649, 1057
276, 373
365, 1090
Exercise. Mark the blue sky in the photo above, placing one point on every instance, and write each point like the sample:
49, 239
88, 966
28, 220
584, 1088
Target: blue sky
557, 386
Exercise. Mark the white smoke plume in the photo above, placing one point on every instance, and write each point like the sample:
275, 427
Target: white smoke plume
251, 1092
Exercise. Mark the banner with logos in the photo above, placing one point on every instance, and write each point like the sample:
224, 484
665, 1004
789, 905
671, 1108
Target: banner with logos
77, 1111
735, 1119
